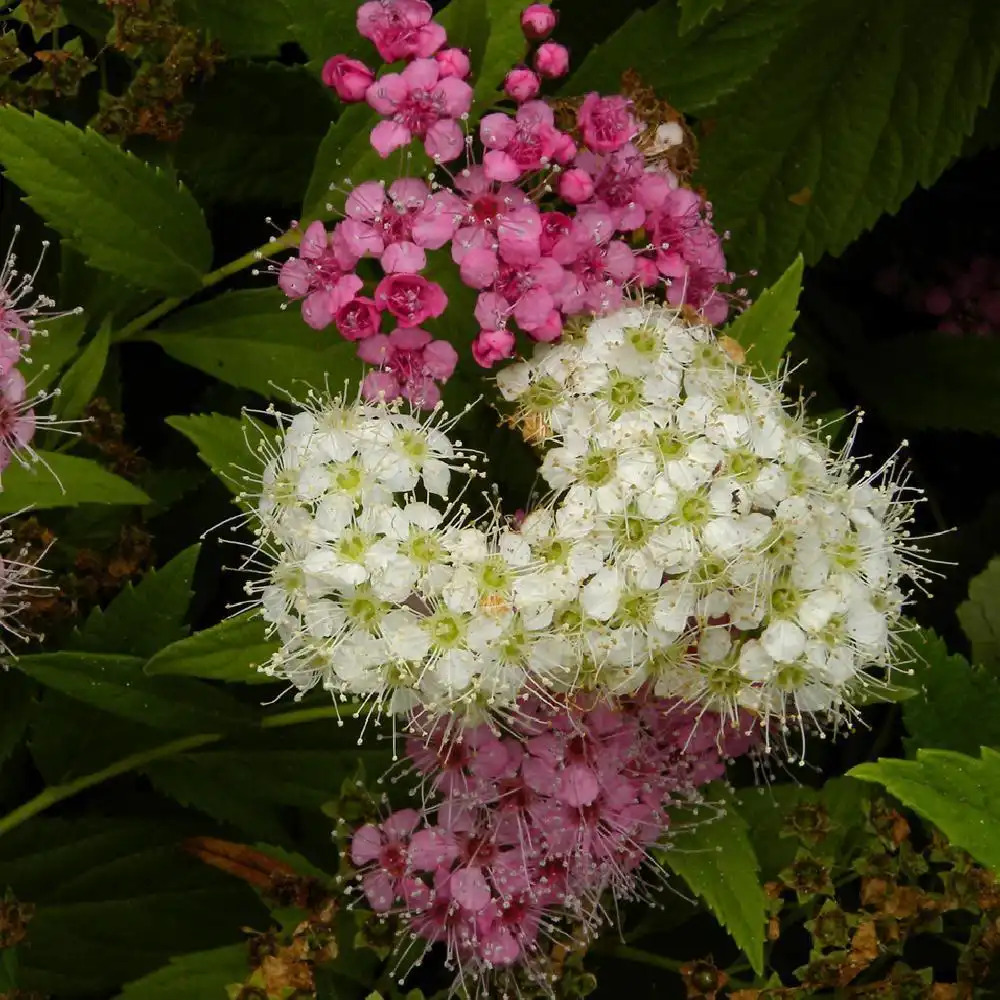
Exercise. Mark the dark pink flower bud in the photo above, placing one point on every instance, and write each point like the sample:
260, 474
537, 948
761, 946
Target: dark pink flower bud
576, 186
552, 60
937, 301
522, 84
453, 62
358, 319
538, 21
350, 78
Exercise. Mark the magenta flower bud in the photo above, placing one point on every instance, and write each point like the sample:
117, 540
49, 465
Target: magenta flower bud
522, 84
552, 60
538, 21
576, 186
453, 62
350, 78
937, 301
491, 346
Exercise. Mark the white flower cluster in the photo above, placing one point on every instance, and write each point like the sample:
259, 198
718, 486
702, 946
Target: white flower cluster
377, 582
698, 538
712, 544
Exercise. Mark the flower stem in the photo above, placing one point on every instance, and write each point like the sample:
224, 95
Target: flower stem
59, 793
161, 309
618, 950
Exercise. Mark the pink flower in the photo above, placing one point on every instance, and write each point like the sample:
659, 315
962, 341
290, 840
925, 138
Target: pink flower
519, 145
384, 851
453, 62
606, 122
522, 84
576, 186
358, 319
400, 29
596, 268
412, 364
17, 417
501, 219
322, 275
408, 218
538, 21
623, 186
421, 103
491, 346
410, 298
350, 78
552, 60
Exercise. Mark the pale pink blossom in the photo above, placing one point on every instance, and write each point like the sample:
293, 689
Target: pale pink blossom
17, 417
412, 364
623, 186
400, 29
420, 103
498, 218
522, 84
453, 62
538, 21
350, 78
596, 267
552, 60
606, 123
322, 275
519, 145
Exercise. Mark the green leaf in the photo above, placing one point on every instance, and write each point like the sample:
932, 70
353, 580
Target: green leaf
234, 150
124, 216
246, 339
933, 380
958, 706
324, 29
58, 480
957, 793
230, 651
116, 898
492, 30
226, 445
694, 12
15, 712
765, 329
117, 685
694, 70
79, 384
143, 618
202, 975
346, 156
980, 617
716, 859
811, 151
243, 29
52, 347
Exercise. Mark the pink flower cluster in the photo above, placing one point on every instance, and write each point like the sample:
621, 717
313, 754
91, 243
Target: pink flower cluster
19, 309
535, 825
542, 228
966, 301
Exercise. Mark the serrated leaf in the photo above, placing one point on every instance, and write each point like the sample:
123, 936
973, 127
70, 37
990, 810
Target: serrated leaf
957, 793
58, 480
51, 349
222, 444
810, 152
980, 617
716, 859
346, 156
694, 70
78, 385
234, 150
243, 29
201, 975
230, 651
115, 899
765, 329
143, 617
246, 339
116, 684
121, 214
933, 380
694, 12
958, 706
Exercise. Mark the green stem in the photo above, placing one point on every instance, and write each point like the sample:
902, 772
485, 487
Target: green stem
59, 793
618, 950
161, 309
